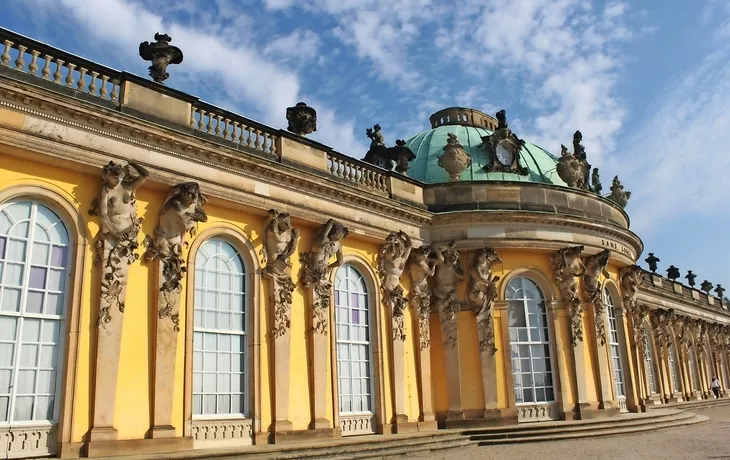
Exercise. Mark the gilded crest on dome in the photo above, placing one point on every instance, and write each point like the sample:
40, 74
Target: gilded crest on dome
503, 148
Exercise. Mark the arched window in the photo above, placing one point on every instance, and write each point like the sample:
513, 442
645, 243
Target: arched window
693, 368
649, 357
354, 344
34, 248
672, 355
613, 343
529, 343
220, 332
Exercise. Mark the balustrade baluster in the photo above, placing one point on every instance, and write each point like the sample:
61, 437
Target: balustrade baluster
57, 74
33, 67
201, 123
103, 92
46, 72
259, 140
267, 142
70, 76
115, 90
20, 62
92, 86
272, 147
193, 122
211, 123
250, 137
81, 86
340, 168
234, 134
218, 127
228, 129
5, 58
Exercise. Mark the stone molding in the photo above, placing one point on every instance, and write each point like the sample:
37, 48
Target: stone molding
357, 424
207, 432
538, 412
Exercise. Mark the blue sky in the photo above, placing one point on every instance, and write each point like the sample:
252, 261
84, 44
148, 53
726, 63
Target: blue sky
647, 82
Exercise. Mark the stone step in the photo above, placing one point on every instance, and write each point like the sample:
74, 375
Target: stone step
694, 405
405, 450
616, 423
599, 432
563, 425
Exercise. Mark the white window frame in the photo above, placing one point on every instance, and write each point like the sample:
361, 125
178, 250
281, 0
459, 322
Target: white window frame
245, 370
694, 373
619, 382
545, 344
339, 341
21, 316
650, 360
673, 371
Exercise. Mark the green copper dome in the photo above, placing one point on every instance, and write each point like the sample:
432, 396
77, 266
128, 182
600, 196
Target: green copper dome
429, 146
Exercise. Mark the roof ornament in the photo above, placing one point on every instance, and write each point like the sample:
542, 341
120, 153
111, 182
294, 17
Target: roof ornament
574, 169
706, 286
302, 119
596, 182
455, 159
503, 148
383, 156
691, 278
618, 194
673, 273
720, 291
161, 53
652, 261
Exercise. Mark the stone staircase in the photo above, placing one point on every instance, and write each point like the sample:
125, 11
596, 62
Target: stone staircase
694, 405
362, 447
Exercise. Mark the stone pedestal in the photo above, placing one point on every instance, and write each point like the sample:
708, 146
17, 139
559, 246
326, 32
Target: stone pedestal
450, 337
320, 340
399, 377
282, 348
427, 420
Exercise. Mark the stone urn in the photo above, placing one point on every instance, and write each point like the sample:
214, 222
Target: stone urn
454, 160
569, 169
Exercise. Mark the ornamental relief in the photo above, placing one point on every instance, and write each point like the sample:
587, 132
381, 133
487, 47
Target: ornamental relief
448, 276
593, 267
391, 260
481, 293
567, 264
422, 267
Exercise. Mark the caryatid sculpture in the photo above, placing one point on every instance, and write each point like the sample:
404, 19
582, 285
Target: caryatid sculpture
280, 242
594, 266
422, 266
180, 213
392, 260
448, 275
117, 243
567, 264
630, 280
481, 292
316, 269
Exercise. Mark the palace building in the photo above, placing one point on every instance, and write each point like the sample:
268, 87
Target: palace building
174, 276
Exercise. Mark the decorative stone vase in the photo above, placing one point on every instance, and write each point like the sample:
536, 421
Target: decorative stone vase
162, 54
570, 170
302, 119
454, 160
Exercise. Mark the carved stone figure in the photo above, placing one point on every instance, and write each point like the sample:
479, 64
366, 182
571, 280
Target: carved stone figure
700, 334
594, 266
690, 278
316, 268
302, 119
596, 182
116, 245
630, 281
179, 214
638, 315
402, 156
448, 275
618, 195
392, 259
481, 292
720, 291
378, 152
280, 242
673, 273
580, 154
706, 286
503, 148
422, 266
162, 54
566, 265
662, 321
455, 159
569, 168
652, 261
681, 327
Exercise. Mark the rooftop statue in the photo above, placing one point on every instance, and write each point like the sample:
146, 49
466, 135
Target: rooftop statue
580, 154
652, 261
402, 156
706, 286
690, 278
454, 159
618, 195
378, 153
161, 53
720, 291
596, 182
302, 119
569, 168
673, 273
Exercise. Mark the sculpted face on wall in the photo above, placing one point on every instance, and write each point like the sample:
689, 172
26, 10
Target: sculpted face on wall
392, 259
180, 213
448, 275
316, 269
593, 267
422, 266
117, 242
566, 265
280, 242
481, 292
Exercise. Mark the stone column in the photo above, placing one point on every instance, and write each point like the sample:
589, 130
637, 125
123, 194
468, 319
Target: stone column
179, 215
557, 315
398, 338
116, 247
511, 411
605, 368
316, 270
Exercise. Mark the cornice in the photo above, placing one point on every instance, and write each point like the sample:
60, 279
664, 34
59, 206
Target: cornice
658, 299
256, 166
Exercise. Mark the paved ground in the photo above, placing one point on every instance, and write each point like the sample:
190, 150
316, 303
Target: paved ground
705, 441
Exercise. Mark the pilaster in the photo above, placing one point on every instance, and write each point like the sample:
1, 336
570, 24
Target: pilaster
631, 379
605, 369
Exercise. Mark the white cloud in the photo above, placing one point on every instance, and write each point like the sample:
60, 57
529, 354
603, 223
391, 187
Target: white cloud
300, 45
245, 76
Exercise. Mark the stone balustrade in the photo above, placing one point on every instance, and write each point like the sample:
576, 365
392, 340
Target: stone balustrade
37, 59
233, 128
356, 171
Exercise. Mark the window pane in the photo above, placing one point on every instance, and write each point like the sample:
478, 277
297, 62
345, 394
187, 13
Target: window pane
59, 256
40, 254
16, 251
34, 302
